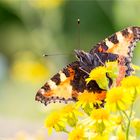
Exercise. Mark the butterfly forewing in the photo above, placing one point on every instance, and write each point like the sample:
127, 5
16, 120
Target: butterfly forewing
121, 43
59, 87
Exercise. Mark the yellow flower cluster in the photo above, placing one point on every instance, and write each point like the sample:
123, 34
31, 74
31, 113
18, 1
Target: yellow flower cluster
100, 114
105, 115
118, 98
55, 121
58, 120
77, 134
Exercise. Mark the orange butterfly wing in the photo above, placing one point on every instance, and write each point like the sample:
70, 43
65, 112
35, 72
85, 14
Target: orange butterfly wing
121, 43
70, 82
59, 87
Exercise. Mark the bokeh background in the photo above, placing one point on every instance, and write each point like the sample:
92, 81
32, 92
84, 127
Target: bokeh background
31, 28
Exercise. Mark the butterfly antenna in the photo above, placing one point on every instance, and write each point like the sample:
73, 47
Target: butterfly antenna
47, 55
78, 24
100, 59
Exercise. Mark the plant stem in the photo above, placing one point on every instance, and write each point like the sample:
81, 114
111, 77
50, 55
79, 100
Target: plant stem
128, 125
129, 120
129, 117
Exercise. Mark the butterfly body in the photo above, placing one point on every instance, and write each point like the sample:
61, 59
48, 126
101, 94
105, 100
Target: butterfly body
69, 83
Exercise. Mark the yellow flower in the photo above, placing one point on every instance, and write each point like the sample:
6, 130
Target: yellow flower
89, 99
56, 121
100, 137
77, 134
121, 135
100, 115
99, 75
113, 69
110, 65
136, 125
100, 123
132, 83
118, 120
69, 110
118, 98
71, 113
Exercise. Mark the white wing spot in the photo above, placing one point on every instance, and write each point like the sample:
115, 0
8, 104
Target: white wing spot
52, 84
62, 76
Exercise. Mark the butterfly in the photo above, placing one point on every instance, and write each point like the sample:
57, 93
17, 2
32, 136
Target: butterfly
69, 82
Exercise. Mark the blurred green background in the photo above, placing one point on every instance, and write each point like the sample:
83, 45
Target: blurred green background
31, 28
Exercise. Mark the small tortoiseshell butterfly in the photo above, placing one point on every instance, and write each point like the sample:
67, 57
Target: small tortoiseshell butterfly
70, 81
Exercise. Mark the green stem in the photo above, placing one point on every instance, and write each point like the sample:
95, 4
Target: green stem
66, 131
123, 126
128, 125
126, 115
129, 117
129, 121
